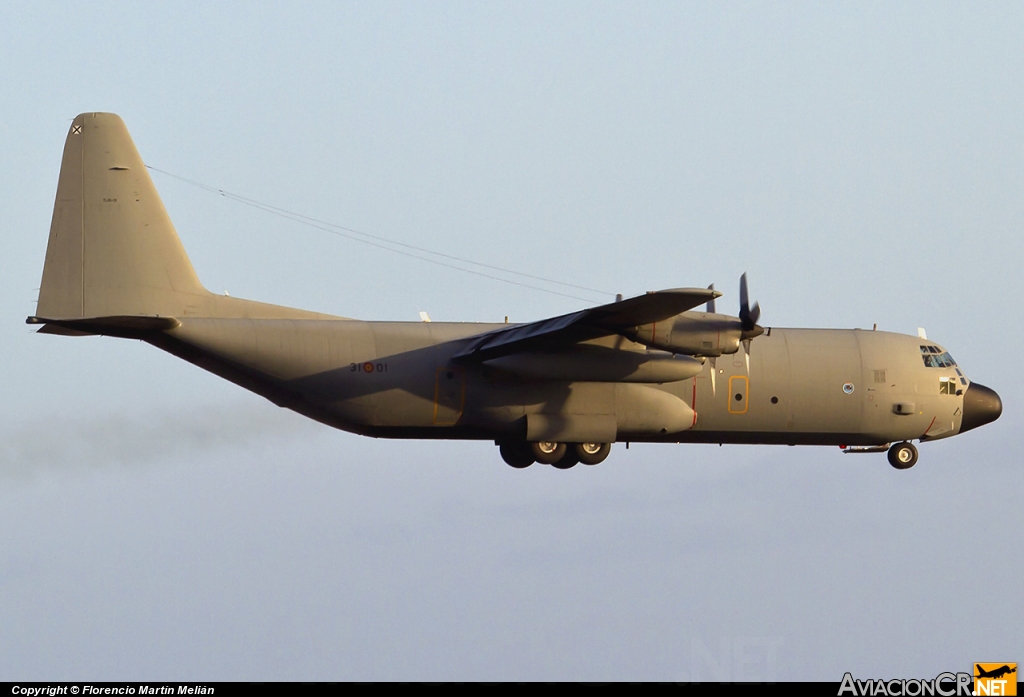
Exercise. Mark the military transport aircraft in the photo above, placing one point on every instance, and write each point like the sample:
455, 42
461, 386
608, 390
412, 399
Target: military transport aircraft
558, 391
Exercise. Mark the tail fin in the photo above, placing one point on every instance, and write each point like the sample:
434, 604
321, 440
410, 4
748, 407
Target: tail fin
113, 251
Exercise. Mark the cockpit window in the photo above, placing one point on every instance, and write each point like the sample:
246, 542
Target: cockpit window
933, 357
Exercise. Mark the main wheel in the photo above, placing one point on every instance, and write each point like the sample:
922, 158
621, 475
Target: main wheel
903, 456
592, 453
547, 452
568, 460
516, 455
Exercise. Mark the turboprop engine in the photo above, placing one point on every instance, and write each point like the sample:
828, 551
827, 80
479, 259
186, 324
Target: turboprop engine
692, 333
703, 333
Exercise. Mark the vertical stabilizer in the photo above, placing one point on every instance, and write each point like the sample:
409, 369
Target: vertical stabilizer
112, 248
113, 251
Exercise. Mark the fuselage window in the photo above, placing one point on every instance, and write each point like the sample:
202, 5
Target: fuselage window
947, 385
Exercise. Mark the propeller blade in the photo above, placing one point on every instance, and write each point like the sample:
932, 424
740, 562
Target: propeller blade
748, 315
711, 303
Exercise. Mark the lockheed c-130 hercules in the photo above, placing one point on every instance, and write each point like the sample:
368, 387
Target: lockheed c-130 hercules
558, 391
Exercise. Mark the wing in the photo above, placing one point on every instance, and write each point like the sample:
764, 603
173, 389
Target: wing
604, 320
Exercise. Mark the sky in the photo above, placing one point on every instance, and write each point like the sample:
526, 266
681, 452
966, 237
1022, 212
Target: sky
862, 162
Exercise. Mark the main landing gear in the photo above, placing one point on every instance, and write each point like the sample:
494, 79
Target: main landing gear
903, 456
520, 454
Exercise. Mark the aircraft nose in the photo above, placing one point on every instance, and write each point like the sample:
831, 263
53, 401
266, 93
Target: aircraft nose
981, 406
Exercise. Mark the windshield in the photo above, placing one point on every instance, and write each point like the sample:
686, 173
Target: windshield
934, 357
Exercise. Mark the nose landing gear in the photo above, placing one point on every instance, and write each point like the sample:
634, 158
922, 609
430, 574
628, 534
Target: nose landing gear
903, 456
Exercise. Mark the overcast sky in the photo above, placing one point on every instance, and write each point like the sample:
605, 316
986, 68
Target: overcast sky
864, 163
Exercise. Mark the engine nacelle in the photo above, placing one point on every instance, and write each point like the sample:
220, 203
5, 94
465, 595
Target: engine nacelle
691, 333
599, 364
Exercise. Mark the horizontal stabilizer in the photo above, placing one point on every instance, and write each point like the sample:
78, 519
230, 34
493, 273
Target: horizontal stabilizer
123, 326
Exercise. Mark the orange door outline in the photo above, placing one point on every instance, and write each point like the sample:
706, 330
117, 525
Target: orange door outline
738, 406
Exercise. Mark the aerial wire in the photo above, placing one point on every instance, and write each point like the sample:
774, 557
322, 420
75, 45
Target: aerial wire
381, 242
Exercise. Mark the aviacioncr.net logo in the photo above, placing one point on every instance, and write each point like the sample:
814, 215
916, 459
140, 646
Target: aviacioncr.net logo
943, 685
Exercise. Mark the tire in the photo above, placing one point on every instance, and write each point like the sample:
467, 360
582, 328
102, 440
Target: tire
516, 455
547, 452
568, 461
592, 453
903, 456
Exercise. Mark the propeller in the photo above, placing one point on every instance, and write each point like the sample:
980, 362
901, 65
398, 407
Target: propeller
711, 303
748, 320
748, 315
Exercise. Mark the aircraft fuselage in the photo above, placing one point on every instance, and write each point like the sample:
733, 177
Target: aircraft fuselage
400, 380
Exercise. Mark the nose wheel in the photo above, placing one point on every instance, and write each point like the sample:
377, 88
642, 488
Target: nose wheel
903, 456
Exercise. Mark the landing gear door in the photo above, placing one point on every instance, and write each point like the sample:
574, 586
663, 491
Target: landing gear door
449, 395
